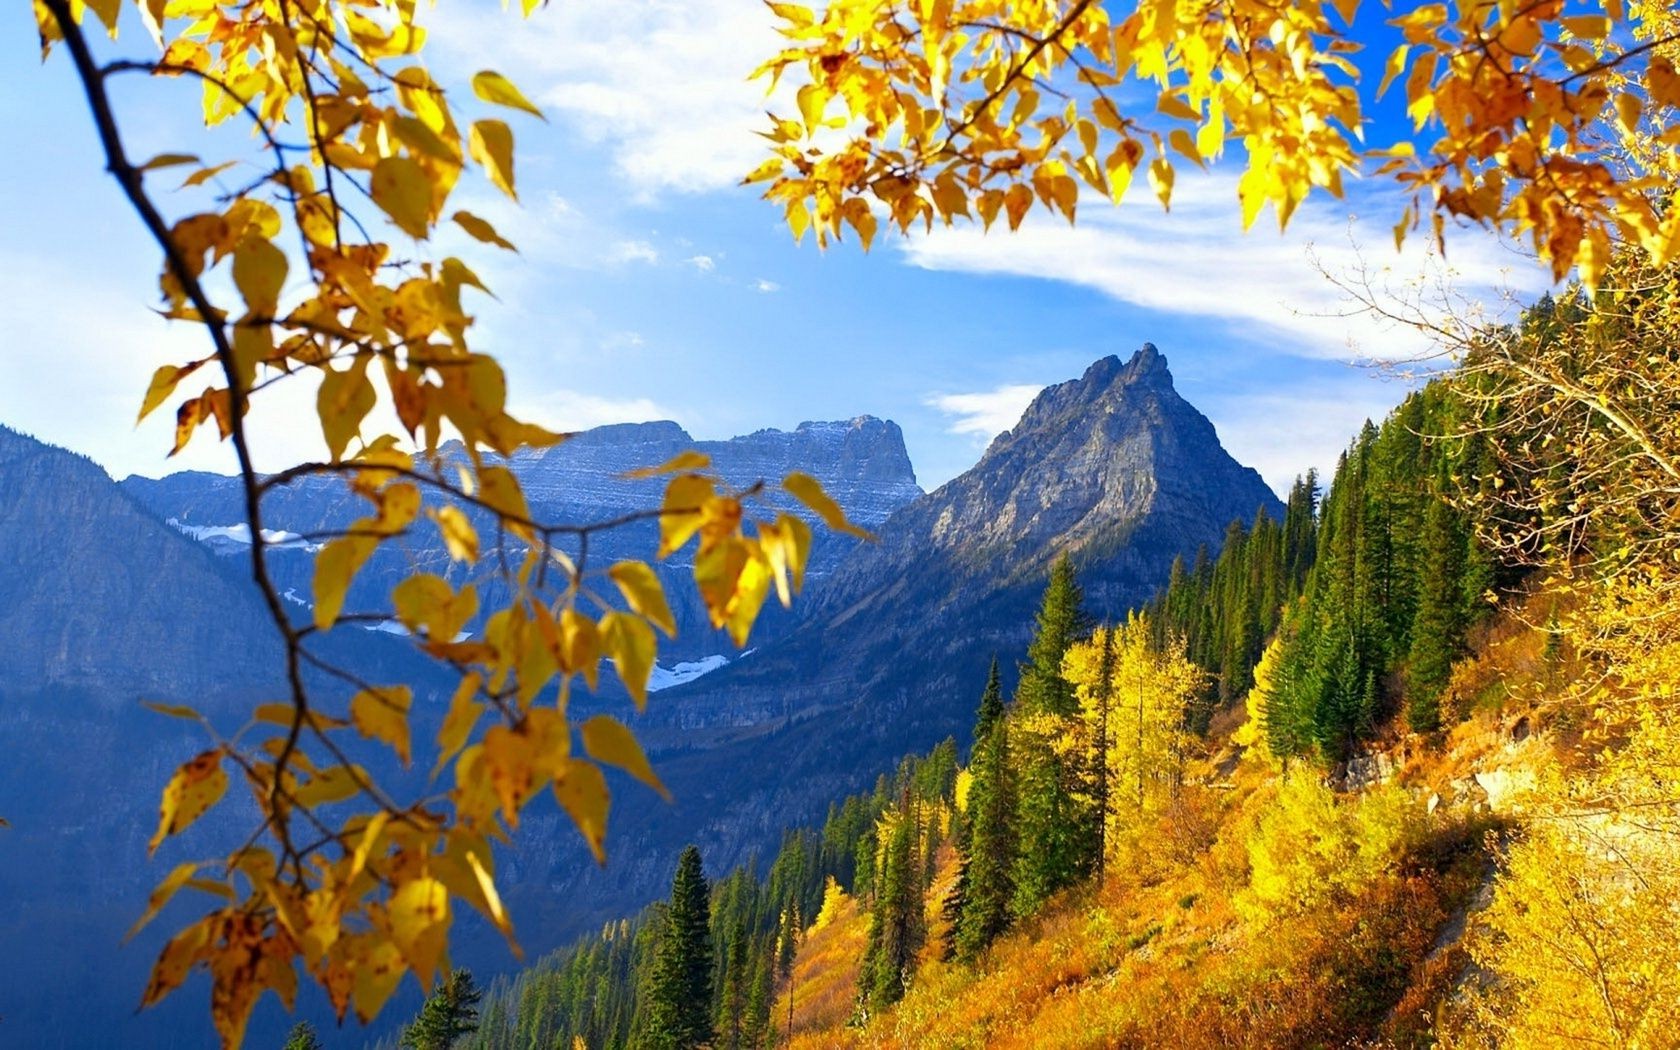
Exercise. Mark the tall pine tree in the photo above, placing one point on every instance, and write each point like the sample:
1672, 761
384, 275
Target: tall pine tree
896, 929
680, 993
448, 1014
1057, 830
987, 886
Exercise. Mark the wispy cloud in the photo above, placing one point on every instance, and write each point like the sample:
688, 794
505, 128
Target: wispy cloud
660, 83
1196, 261
632, 252
703, 263
1282, 434
767, 287
574, 410
984, 414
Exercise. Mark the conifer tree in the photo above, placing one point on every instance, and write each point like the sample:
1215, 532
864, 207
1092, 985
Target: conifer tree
896, 929
680, 993
1061, 620
756, 1032
991, 705
1437, 629
1057, 832
732, 1007
449, 1013
987, 881
302, 1037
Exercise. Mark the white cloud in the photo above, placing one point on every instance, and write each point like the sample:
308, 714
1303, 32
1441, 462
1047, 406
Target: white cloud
662, 84
984, 414
632, 251
625, 340
703, 263
573, 410
1196, 261
1282, 434
767, 287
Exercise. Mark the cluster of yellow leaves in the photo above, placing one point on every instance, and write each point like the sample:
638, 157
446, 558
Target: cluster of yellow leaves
340, 880
1310, 845
1137, 719
1581, 930
940, 109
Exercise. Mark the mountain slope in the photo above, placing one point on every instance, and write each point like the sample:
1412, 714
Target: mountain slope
1115, 469
102, 606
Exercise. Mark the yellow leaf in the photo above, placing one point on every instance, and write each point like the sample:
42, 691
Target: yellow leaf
606, 739
382, 714
481, 230
580, 646
500, 489
333, 784
491, 144
493, 906
809, 491
335, 566
203, 175
787, 545
680, 516
1396, 65
164, 381
401, 189
161, 896
259, 271
195, 787
420, 917
498, 90
1587, 27
458, 534
751, 588
172, 710
376, 969
582, 792
1161, 180
168, 160
643, 592
343, 401
177, 959
682, 462
464, 711
629, 641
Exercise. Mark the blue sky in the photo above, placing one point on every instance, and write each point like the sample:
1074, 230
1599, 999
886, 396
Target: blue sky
650, 286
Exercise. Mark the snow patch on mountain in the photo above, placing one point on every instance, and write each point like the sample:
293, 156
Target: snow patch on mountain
221, 537
687, 671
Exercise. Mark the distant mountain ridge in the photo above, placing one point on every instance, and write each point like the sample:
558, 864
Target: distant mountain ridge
862, 462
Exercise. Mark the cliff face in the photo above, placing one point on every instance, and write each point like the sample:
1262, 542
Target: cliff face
862, 462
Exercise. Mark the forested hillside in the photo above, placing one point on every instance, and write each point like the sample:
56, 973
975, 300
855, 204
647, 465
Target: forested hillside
1364, 777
